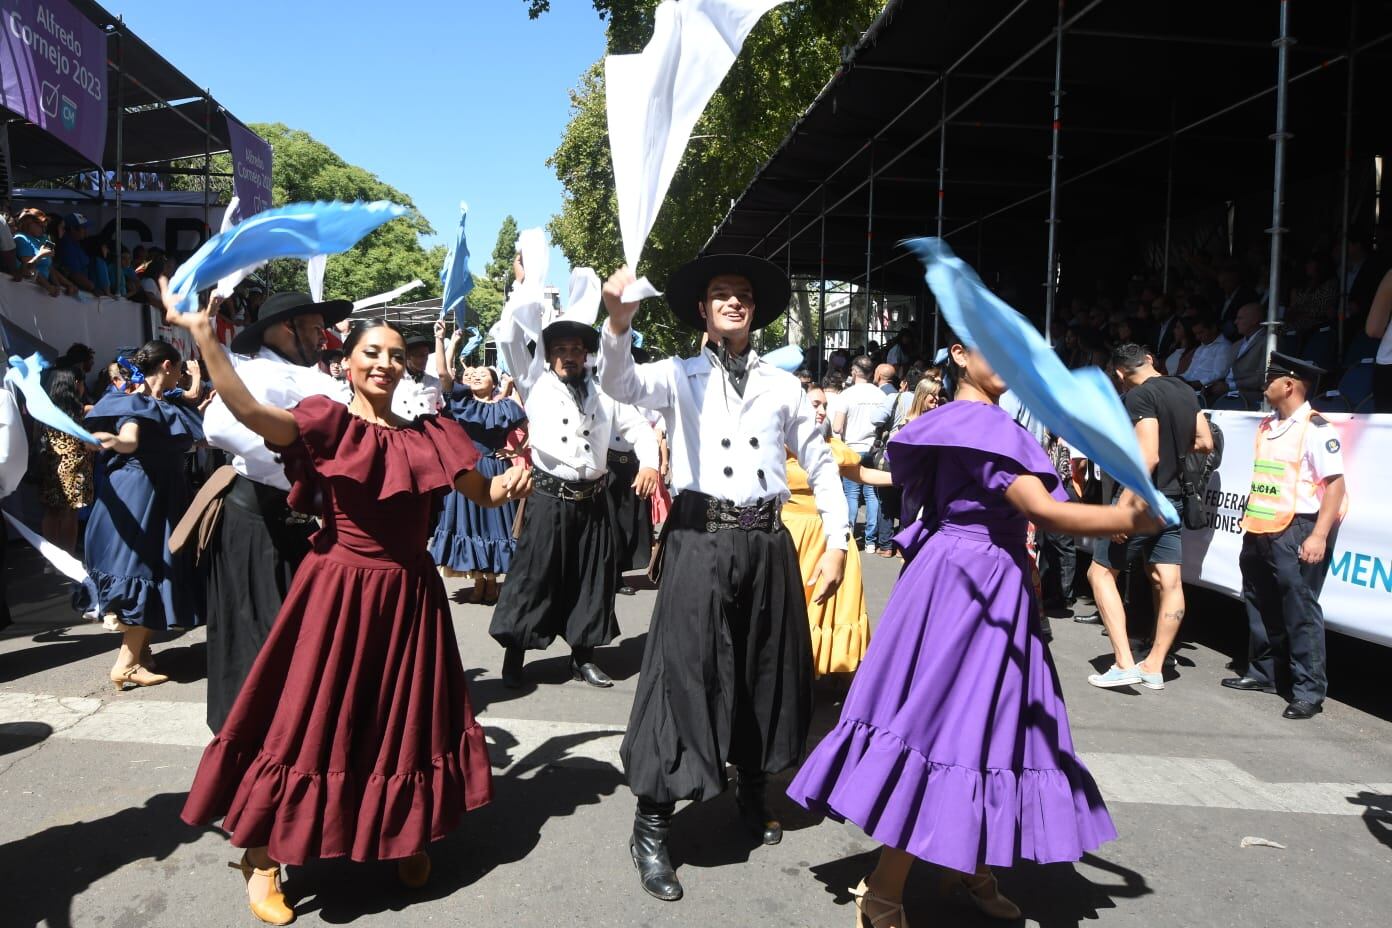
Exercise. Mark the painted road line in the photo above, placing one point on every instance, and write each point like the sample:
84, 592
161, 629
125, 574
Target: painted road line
522, 746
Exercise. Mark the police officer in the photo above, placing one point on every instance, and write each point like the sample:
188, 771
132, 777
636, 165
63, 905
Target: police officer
1293, 512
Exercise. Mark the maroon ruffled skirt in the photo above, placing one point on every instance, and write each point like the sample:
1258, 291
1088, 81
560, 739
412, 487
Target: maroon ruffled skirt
353, 735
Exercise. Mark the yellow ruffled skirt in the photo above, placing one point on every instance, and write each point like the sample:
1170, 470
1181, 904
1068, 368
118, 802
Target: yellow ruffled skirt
841, 625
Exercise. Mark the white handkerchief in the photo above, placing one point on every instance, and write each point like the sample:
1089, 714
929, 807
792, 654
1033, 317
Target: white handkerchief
640, 289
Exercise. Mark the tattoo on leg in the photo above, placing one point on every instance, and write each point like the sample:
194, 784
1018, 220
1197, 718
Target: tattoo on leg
1176, 616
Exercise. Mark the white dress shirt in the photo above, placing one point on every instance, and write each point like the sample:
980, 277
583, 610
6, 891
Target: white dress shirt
1211, 362
276, 382
415, 398
721, 444
568, 441
1323, 458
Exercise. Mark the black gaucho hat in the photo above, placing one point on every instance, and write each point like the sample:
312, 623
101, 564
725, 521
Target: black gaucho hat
282, 308
1283, 365
414, 340
687, 287
569, 328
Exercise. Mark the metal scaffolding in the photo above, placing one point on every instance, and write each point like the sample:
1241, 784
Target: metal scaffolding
831, 191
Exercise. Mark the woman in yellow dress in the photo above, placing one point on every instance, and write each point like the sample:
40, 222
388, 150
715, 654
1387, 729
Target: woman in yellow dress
841, 625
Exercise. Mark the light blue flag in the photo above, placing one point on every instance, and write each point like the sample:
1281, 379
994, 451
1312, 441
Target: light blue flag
25, 374
300, 230
787, 358
1080, 406
455, 276
637, 339
475, 339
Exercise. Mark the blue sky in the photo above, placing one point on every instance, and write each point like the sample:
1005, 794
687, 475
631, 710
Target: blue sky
446, 100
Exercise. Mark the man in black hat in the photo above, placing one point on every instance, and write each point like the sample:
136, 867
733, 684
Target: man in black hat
564, 572
1293, 512
727, 670
259, 542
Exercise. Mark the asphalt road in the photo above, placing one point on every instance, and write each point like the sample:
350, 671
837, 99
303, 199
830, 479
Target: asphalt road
91, 782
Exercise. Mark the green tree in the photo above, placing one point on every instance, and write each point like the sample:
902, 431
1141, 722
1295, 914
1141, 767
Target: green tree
785, 62
304, 169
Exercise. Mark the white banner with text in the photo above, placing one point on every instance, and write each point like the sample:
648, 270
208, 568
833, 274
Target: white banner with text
1357, 597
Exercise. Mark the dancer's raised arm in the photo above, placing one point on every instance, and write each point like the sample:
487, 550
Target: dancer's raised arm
277, 426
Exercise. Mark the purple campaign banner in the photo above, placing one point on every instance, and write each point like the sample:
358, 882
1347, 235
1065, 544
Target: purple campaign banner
251, 169
53, 65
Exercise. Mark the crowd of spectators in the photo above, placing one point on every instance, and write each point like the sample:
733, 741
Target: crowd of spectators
61, 256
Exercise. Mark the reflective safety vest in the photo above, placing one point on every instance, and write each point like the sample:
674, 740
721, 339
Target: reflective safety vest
1276, 478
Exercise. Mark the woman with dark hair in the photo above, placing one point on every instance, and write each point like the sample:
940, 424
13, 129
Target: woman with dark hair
472, 540
353, 734
925, 758
65, 480
142, 490
1185, 342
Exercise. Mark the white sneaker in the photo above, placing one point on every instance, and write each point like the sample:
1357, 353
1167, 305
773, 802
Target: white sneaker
869, 549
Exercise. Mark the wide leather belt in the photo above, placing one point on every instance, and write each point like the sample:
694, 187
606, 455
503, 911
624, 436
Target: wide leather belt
621, 457
572, 490
270, 503
721, 515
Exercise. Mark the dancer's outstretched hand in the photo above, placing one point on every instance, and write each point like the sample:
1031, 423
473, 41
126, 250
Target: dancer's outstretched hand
645, 484
514, 483
826, 578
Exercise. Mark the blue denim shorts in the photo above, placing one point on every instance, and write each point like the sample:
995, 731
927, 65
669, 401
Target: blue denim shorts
1165, 548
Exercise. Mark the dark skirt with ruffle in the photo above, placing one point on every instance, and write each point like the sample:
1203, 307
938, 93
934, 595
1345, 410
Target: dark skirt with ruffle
353, 735
469, 537
139, 498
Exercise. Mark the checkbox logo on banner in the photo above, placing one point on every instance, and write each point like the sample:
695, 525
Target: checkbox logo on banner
48, 98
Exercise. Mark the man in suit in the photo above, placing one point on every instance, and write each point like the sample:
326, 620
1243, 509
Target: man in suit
1247, 375
1361, 280
1236, 294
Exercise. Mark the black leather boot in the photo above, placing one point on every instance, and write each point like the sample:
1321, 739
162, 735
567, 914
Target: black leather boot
652, 824
512, 668
753, 810
583, 667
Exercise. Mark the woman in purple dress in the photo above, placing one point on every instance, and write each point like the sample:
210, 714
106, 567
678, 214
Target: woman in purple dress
953, 745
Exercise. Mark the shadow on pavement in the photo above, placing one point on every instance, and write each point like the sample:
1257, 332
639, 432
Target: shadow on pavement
1378, 815
1054, 895
16, 736
531, 793
47, 870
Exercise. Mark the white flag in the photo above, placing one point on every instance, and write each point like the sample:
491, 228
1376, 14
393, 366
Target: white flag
388, 296
654, 99
315, 268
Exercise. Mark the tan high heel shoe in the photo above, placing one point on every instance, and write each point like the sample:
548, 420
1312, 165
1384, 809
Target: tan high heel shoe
414, 871
983, 891
272, 910
135, 675
864, 898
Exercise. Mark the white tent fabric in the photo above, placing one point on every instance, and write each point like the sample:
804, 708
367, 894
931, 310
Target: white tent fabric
654, 98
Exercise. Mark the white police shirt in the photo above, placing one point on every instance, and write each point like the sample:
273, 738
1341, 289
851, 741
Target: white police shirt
721, 444
415, 398
1323, 456
569, 441
272, 380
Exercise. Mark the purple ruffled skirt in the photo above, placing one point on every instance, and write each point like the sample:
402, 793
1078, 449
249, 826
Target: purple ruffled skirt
953, 744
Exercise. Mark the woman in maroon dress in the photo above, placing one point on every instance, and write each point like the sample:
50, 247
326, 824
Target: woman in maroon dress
353, 735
